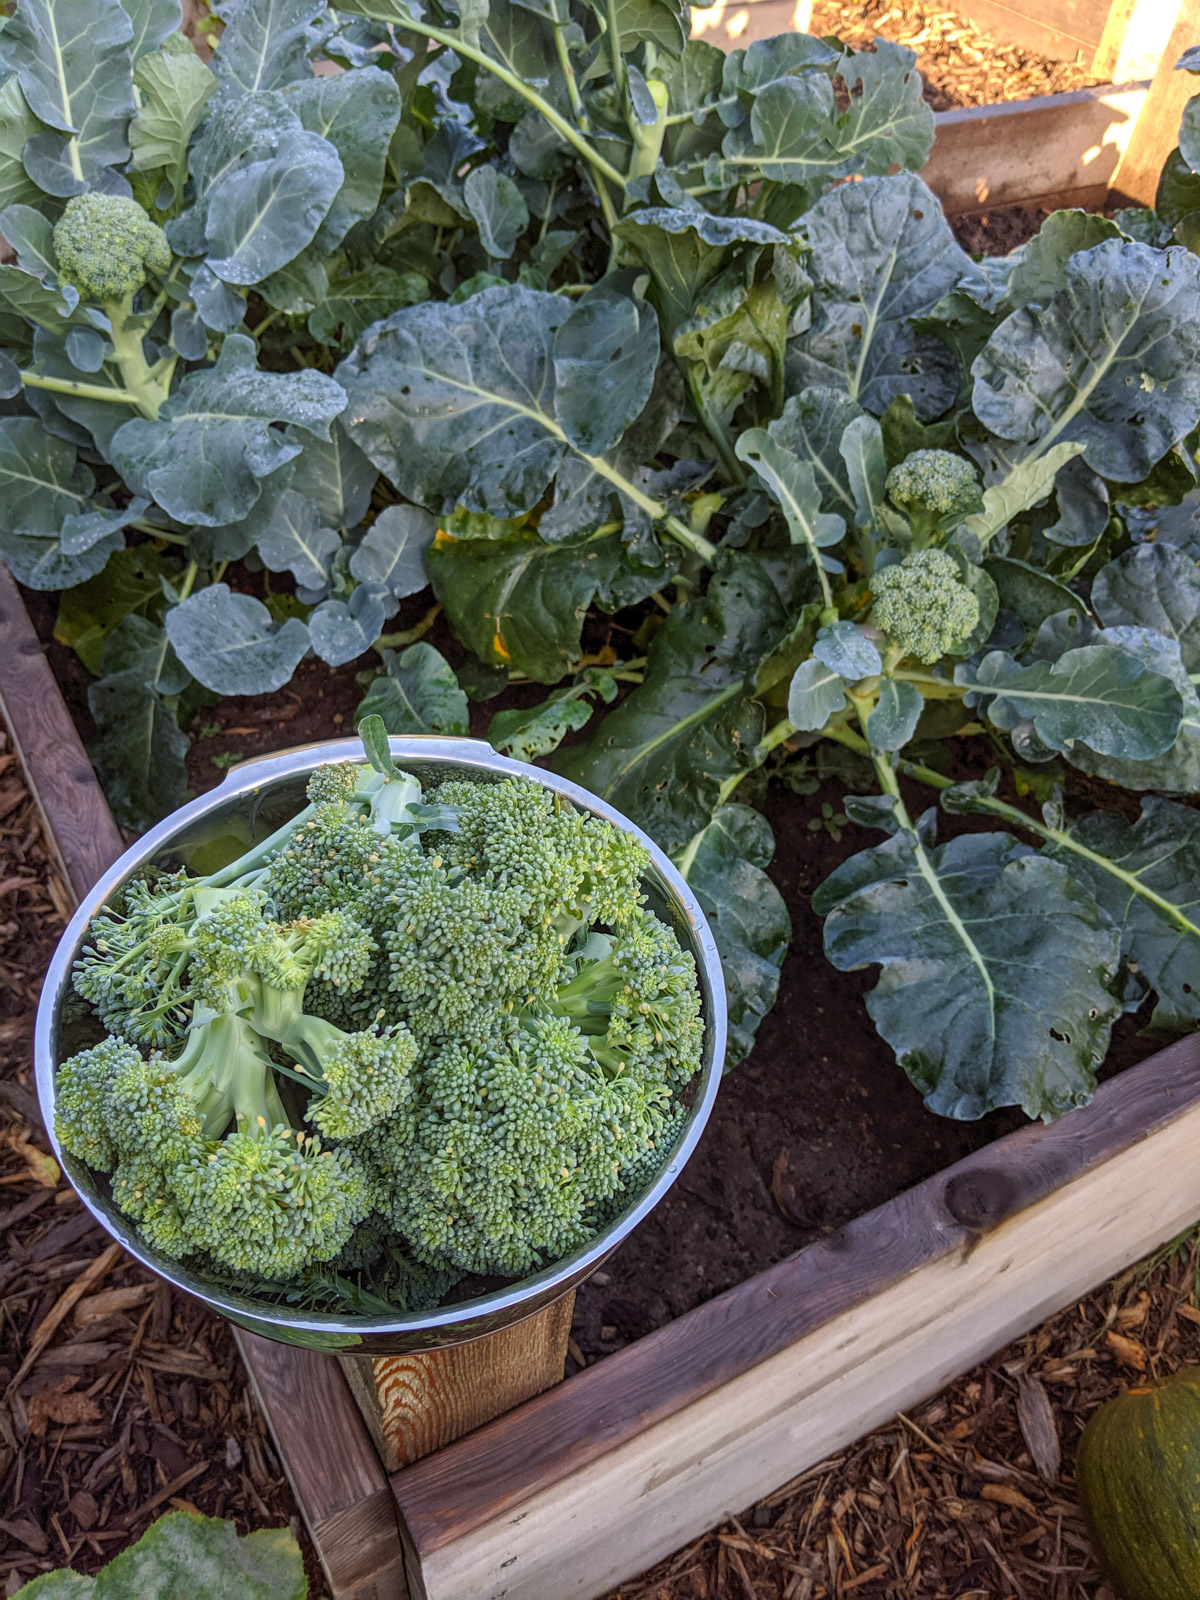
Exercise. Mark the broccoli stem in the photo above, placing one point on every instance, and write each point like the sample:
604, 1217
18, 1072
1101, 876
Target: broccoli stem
227, 1075
149, 387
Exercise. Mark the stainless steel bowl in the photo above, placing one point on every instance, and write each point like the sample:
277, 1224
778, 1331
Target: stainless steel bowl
255, 798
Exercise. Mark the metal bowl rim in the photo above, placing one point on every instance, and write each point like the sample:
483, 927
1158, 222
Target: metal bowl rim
255, 774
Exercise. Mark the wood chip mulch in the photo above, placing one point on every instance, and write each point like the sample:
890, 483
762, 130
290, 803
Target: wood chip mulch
972, 1496
119, 1399
960, 63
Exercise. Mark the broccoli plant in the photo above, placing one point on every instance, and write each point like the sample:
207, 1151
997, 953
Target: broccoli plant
567, 314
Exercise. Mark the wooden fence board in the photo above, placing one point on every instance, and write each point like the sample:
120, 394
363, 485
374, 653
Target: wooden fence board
1157, 130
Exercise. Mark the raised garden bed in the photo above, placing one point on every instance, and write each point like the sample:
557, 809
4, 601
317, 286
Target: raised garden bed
629, 1457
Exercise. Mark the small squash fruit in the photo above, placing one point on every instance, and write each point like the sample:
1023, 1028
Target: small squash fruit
1138, 1473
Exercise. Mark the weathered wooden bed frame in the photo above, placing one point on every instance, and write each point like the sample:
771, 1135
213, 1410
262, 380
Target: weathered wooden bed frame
597, 1477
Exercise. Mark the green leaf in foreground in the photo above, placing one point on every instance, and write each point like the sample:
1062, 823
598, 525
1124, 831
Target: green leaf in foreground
183, 1556
663, 754
538, 731
725, 866
997, 966
229, 644
416, 692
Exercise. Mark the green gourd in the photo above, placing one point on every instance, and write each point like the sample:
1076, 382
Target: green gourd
1138, 1473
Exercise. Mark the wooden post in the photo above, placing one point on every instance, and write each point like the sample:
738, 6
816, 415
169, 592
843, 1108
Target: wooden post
1156, 132
1135, 37
415, 1404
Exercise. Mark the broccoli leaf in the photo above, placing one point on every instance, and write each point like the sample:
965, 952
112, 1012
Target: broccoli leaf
140, 748
204, 456
997, 966
343, 630
725, 866
17, 126
76, 73
538, 731
894, 719
882, 254
817, 692
295, 540
229, 644
175, 86
663, 754
261, 216
335, 474
355, 113
1112, 362
416, 692
1097, 695
264, 45
393, 549
1153, 586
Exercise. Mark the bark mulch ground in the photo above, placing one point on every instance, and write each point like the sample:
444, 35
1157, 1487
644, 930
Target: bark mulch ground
960, 63
119, 1399
970, 1498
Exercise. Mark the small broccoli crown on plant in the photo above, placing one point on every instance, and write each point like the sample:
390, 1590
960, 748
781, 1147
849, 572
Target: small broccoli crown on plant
107, 246
923, 606
935, 489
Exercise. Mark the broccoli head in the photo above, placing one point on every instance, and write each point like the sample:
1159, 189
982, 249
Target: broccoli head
935, 489
107, 247
923, 605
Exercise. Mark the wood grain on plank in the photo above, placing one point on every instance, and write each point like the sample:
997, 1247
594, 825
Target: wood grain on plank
331, 1466
78, 821
1056, 149
1063, 29
335, 1474
415, 1404
929, 1230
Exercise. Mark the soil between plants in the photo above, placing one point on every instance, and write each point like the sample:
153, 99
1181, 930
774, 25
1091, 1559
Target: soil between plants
815, 1127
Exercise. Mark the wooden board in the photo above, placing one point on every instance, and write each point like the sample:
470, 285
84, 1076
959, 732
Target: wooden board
597, 1479
1062, 149
1135, 36
335, 1474
415, 1404
1064, 29
331, 1465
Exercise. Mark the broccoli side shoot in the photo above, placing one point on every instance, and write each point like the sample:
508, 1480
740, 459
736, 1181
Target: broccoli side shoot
935, 489
923, 606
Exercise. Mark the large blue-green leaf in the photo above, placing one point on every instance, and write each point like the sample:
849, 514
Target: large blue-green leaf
797, 134
456, 403
335, 475
1096, 695
882, 254
393, 549
264, 45
260, 217
1112, 362
229, 643
140, 748
746, 73
26, 295
42, 480
17, 126
183, 1556
153, 21
812, 426
74, 66
1155, 901
356, 113
1041, 269
605, 358
663, 754
725, 866
353, 303
997, 966
816, 693
1153, 586
212, 442
897, 711
42, 563
416, 692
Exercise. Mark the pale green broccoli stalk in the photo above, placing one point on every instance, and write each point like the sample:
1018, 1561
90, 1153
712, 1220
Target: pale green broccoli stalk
935, 490
108, 249
923, 606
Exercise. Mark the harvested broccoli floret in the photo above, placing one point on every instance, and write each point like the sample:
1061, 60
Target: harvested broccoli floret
107, 246
935, 489
465, 996
923, 605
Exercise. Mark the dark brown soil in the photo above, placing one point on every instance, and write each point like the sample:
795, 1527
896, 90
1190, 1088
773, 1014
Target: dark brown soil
817, 1126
